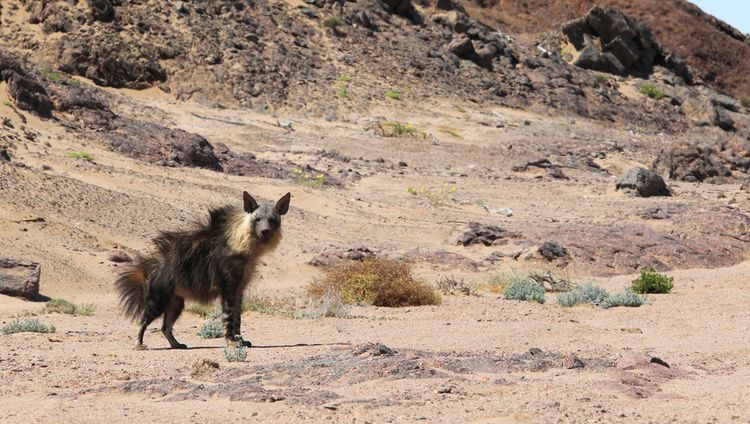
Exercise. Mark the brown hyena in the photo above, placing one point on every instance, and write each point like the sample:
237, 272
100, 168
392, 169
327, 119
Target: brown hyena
214, 259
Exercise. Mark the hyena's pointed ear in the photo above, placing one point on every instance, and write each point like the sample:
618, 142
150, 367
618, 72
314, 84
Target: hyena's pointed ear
282, 206
249, 202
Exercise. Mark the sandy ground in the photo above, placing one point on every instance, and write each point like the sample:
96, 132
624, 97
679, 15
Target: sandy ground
471, 359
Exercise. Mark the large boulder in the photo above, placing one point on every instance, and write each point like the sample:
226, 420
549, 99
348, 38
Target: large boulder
19, 278
644, 183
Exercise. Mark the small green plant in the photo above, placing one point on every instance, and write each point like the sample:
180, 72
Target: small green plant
566, 53
62, 306
52, 76
235, 354
524, 289
625, 298
651, 281
8, 103
652, 91
450, 131
81, 155
589, 293
395, 95
400, 129
434, 196
211, 330
601, 78
745, 101
74, 81
462, 110
332, 22
27, 326
308, 179
343, 90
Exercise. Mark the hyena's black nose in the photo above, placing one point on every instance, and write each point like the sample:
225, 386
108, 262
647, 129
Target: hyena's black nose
265, 233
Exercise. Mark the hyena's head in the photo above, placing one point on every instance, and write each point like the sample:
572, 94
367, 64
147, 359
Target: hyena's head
265, 220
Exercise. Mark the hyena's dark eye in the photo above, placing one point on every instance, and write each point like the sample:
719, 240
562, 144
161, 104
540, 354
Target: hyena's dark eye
256, 220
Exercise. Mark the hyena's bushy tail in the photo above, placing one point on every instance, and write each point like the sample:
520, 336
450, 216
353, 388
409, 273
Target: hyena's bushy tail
133, 286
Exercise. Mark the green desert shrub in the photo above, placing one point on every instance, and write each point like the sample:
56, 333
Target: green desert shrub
27, 326
652, 91
212, 330
332, 22
625, 298
524, 289
235, 354
651, 281
589, 293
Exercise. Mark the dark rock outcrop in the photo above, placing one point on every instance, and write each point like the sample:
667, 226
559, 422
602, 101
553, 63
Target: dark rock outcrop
487, 235
610, 41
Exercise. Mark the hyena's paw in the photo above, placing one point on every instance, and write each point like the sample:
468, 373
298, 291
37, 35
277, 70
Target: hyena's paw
141, 346
238, 342
179, 346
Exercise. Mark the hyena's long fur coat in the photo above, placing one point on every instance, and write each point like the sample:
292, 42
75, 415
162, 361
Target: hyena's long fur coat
215, 259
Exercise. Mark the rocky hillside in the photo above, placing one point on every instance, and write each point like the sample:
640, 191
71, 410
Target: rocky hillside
718, 52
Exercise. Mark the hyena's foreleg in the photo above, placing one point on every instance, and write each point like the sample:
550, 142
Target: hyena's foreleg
231, 305
174, 309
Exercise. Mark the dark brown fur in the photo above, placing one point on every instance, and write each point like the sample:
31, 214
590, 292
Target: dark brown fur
215, 259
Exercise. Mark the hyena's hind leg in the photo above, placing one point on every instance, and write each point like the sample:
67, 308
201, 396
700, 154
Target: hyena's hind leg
154, 309
174, 309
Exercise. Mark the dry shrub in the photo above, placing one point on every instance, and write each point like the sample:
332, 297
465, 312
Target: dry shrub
376, 281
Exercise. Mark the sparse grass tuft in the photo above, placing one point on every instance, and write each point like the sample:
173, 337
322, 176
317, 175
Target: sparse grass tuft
268, 306
81, 155
204, 311
307, 179
453, 285
395, 95
603, 79
27, 326
497, 283
62, 306
8, 103
626, 298
52, 76
235, 354
376, 281
589, 293
524, 289
652, 91
450, 131
330, 305
332, 22
435, 197
400, 129
651, 281
745, 101
212, 330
